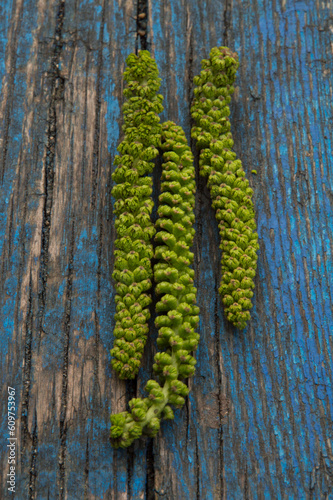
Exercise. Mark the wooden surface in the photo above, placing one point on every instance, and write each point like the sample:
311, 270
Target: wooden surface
258, 421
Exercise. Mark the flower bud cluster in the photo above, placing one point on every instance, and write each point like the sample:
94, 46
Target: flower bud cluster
230, 191
133, 207
178, 316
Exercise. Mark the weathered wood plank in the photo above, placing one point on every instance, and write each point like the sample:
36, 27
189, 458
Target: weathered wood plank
285, 361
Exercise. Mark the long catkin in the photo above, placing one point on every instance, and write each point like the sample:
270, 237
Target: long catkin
178, 314
230, 191
133, 207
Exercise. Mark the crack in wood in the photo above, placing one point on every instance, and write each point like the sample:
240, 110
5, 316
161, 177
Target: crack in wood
56, 92
96, 147
63, 407
26, 372
86, 472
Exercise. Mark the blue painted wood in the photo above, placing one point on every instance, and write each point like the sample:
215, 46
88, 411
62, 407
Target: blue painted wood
258, 420
286, 361
22, 128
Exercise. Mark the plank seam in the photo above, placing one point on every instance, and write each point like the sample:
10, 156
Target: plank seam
141, 25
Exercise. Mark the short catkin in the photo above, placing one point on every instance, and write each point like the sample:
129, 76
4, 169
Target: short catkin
133, 207
177, 313
230, 191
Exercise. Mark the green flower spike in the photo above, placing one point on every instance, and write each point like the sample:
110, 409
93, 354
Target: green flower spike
133, 207
178, 316
230, 191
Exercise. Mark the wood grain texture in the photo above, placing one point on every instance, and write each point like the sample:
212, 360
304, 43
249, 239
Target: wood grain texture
258, 421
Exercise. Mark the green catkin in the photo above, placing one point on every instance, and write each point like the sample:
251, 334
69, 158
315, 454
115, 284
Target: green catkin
230, 191
133, 207
178, 314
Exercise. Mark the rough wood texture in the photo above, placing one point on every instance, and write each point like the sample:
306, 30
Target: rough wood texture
258, 421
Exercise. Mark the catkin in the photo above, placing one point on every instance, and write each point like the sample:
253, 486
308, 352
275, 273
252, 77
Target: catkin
230, 191
133, 207
177, 313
